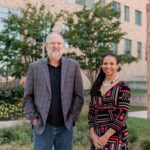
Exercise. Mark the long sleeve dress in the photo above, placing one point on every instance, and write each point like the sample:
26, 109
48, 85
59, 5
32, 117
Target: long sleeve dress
111, 111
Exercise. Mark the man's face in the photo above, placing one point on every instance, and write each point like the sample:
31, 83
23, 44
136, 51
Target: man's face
55, 47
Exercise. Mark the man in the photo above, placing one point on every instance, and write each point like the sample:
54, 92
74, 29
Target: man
53, 97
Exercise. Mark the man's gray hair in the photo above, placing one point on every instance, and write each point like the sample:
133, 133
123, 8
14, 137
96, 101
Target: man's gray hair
50, 35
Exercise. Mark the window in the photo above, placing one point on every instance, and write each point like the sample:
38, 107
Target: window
1, 24
3, 12
127, 46
80, 2
115, 48
103, 2
1, 28
126, 13
66, 45
71, 1
65, 29
88, 3
116, 6
139, 50
138, 17
15, 11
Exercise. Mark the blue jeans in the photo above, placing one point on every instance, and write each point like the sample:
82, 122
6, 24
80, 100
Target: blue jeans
59, 137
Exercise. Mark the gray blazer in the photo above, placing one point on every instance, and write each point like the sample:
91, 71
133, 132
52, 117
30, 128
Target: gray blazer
37, 92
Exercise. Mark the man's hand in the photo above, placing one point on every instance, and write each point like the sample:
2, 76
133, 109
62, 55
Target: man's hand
35, 121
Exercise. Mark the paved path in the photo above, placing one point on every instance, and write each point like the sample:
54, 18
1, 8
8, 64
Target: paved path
138, 114
3, 124
11, 123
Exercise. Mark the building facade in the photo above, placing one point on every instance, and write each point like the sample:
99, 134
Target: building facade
133, 22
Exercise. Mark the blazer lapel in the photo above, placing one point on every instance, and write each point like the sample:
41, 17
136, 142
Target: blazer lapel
46, 73
63, 73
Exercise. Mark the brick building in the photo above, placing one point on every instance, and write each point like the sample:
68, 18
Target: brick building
133, 19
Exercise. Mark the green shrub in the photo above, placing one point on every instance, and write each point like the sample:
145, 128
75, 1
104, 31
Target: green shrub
19, 135
145, 145
81, 134
133, 136
5, 136
23, 135
11, 95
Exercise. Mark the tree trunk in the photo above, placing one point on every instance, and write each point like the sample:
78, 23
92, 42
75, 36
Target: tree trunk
148, 59
92, 75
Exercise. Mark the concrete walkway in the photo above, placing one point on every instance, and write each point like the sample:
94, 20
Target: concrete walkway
138, 114
10, 123
3, 124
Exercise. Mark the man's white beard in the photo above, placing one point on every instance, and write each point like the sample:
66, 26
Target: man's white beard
55, 54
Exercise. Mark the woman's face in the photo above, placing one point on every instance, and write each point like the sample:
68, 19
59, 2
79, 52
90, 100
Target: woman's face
110, 65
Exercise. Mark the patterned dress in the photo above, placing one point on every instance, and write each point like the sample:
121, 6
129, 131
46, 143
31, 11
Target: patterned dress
111, 111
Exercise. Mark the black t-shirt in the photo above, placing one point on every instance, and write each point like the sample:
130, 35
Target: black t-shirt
55, 116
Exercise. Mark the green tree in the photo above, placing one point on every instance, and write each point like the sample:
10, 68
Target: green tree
22, 38
93, 31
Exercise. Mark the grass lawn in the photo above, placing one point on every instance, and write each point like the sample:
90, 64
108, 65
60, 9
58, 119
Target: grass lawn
139, 130
137, 127
142, 128
138, 91
137, 108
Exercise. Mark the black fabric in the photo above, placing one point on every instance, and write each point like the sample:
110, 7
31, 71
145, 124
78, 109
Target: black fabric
55, 116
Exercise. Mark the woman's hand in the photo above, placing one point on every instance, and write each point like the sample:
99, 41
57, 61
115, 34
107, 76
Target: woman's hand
103, 140
94, 138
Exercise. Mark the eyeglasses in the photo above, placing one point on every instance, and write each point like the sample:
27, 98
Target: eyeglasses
55, 43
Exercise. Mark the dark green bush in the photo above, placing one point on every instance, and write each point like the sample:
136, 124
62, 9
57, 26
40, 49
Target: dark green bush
11, 95
145, 145
81, 135
5, 136
23, 135
133, 136
20, 135
11, 103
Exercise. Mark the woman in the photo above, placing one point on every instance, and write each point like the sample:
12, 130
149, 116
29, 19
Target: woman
108, 109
